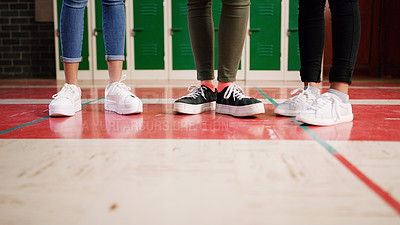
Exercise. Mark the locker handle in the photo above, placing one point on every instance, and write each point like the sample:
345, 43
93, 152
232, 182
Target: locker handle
291, 30
251, 30
96, 31
255, 29
216, 29
136, 29
176, 29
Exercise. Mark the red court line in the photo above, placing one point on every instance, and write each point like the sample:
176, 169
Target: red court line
378, 190
353, 169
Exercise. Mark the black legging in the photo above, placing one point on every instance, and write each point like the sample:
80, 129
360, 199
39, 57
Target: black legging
346, 30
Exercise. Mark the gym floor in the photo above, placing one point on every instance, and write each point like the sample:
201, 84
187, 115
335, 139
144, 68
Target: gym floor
156, 168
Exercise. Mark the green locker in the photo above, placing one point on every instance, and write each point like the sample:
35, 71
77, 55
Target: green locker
84, 65
182, 56
294, 48
100, 48
265, 35
149, 34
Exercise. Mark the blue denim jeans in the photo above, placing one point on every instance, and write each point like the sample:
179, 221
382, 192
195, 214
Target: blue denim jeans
71, 29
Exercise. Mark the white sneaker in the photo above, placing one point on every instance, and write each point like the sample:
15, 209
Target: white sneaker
119, 99
66, 102
296, 104
327, 109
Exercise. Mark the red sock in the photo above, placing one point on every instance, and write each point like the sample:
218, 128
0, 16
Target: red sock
222, 85
209, 85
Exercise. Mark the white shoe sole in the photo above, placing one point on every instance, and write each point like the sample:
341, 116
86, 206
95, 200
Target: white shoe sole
65, 111
112, 106
285, 113
324, 122
185, 108
241, 111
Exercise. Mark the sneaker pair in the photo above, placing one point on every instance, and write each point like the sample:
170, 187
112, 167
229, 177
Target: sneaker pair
311, 108
118, 98
231, 101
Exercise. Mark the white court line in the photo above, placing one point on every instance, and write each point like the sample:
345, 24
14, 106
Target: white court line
171, 100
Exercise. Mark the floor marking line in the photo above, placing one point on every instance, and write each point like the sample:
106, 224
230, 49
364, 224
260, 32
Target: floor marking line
381, 88
382, 193
353, 169
40, 119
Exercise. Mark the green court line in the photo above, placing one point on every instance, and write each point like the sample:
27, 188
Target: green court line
38, 120
266, 96
304, 127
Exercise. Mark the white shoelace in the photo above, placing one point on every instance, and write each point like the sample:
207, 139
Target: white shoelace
307, 94
65, 92
121, 88
236, 91
328, 100
195, 91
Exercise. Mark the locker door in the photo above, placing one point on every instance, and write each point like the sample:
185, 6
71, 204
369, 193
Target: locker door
265, 38
148, 34
100, 48
84, 65
182, 56
294, 48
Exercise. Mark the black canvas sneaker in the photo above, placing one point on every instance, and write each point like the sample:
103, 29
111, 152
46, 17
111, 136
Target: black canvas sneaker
200, 99
233, 101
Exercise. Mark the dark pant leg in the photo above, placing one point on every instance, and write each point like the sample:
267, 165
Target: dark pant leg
346, 31
311, 38
201, 32
232, 33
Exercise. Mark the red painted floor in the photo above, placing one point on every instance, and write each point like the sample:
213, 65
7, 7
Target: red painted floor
372, 122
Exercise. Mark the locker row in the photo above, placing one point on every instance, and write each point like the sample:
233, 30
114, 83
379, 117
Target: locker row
158, 45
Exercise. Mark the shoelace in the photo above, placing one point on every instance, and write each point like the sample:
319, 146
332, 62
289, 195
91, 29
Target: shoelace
326, 100
195, 91
66, 91
121, 88
298, 97
236, 91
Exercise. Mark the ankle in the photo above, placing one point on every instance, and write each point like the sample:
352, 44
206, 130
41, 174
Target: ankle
209, 84
340, 86
222, 85
315, 91
343, 96
72, 82
312, 84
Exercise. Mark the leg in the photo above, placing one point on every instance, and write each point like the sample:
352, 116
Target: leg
71, 32
201, 32
118, 97
311, 40
68, 101
334, 107
232, 32
231, 99
114, 36
346, 30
